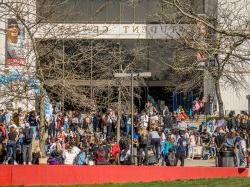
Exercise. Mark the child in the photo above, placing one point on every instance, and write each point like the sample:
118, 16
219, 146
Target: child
212, 148
171, 157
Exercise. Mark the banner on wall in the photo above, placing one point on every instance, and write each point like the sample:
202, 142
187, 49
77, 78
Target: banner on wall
15, 40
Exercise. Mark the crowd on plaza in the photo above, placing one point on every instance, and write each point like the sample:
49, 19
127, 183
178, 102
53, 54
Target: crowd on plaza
157, 138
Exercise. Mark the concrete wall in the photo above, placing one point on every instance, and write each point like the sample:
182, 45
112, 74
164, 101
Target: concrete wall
235, 99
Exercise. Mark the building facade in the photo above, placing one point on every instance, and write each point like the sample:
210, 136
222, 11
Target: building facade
133, 24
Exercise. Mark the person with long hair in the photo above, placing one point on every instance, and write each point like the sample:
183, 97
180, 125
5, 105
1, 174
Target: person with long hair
11, 145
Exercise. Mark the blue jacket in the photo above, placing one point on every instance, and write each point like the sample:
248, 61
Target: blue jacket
166, 146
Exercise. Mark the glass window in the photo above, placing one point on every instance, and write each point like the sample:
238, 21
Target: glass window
113, 11
98, 10
85, 10
127, 12
59, 10
141, 11
153, 9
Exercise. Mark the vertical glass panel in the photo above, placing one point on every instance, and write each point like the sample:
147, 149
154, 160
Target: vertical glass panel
113, 11
85, 14
98, 11
127, 11
153, 9
140, 11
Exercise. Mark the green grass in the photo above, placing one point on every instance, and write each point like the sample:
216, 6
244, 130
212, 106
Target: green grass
227, 182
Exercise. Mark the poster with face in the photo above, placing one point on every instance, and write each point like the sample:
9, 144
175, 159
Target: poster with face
15, 38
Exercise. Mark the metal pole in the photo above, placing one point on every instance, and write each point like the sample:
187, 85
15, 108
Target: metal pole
91, 72
63, 98
119, 114
118, 129
132, 116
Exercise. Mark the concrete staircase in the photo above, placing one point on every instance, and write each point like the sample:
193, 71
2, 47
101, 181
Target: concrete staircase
196, 122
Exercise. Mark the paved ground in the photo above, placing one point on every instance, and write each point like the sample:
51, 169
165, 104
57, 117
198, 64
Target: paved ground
198, 162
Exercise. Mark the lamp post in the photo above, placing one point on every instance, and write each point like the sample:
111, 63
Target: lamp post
132, 75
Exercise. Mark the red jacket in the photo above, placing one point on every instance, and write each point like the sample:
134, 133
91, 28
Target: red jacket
115, 149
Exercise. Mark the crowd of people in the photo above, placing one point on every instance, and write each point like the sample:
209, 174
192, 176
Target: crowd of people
17, 132
90, 138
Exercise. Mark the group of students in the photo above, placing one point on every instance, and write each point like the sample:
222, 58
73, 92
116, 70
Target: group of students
91, 138
148, 148
199, 106
93, 135
17, 133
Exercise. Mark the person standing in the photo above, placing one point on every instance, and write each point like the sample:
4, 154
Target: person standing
27, 144
181, 149
95, 122
74, 123
202, 105
167, 118
11, 145
59, 122
52, 126
144, 120
2, 116
65, 123
33, 124
155, 141
127, 124
7, 118
196, 107
210, 105
110, 123
219, 140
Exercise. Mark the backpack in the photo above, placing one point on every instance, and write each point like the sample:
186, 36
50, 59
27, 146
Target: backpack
28, 135
55, 158
80, 159
53, 161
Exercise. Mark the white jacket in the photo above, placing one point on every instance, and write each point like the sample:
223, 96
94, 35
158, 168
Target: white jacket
70, 155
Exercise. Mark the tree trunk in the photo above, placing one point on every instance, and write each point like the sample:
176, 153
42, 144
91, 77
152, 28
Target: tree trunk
42, 124
219, 98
